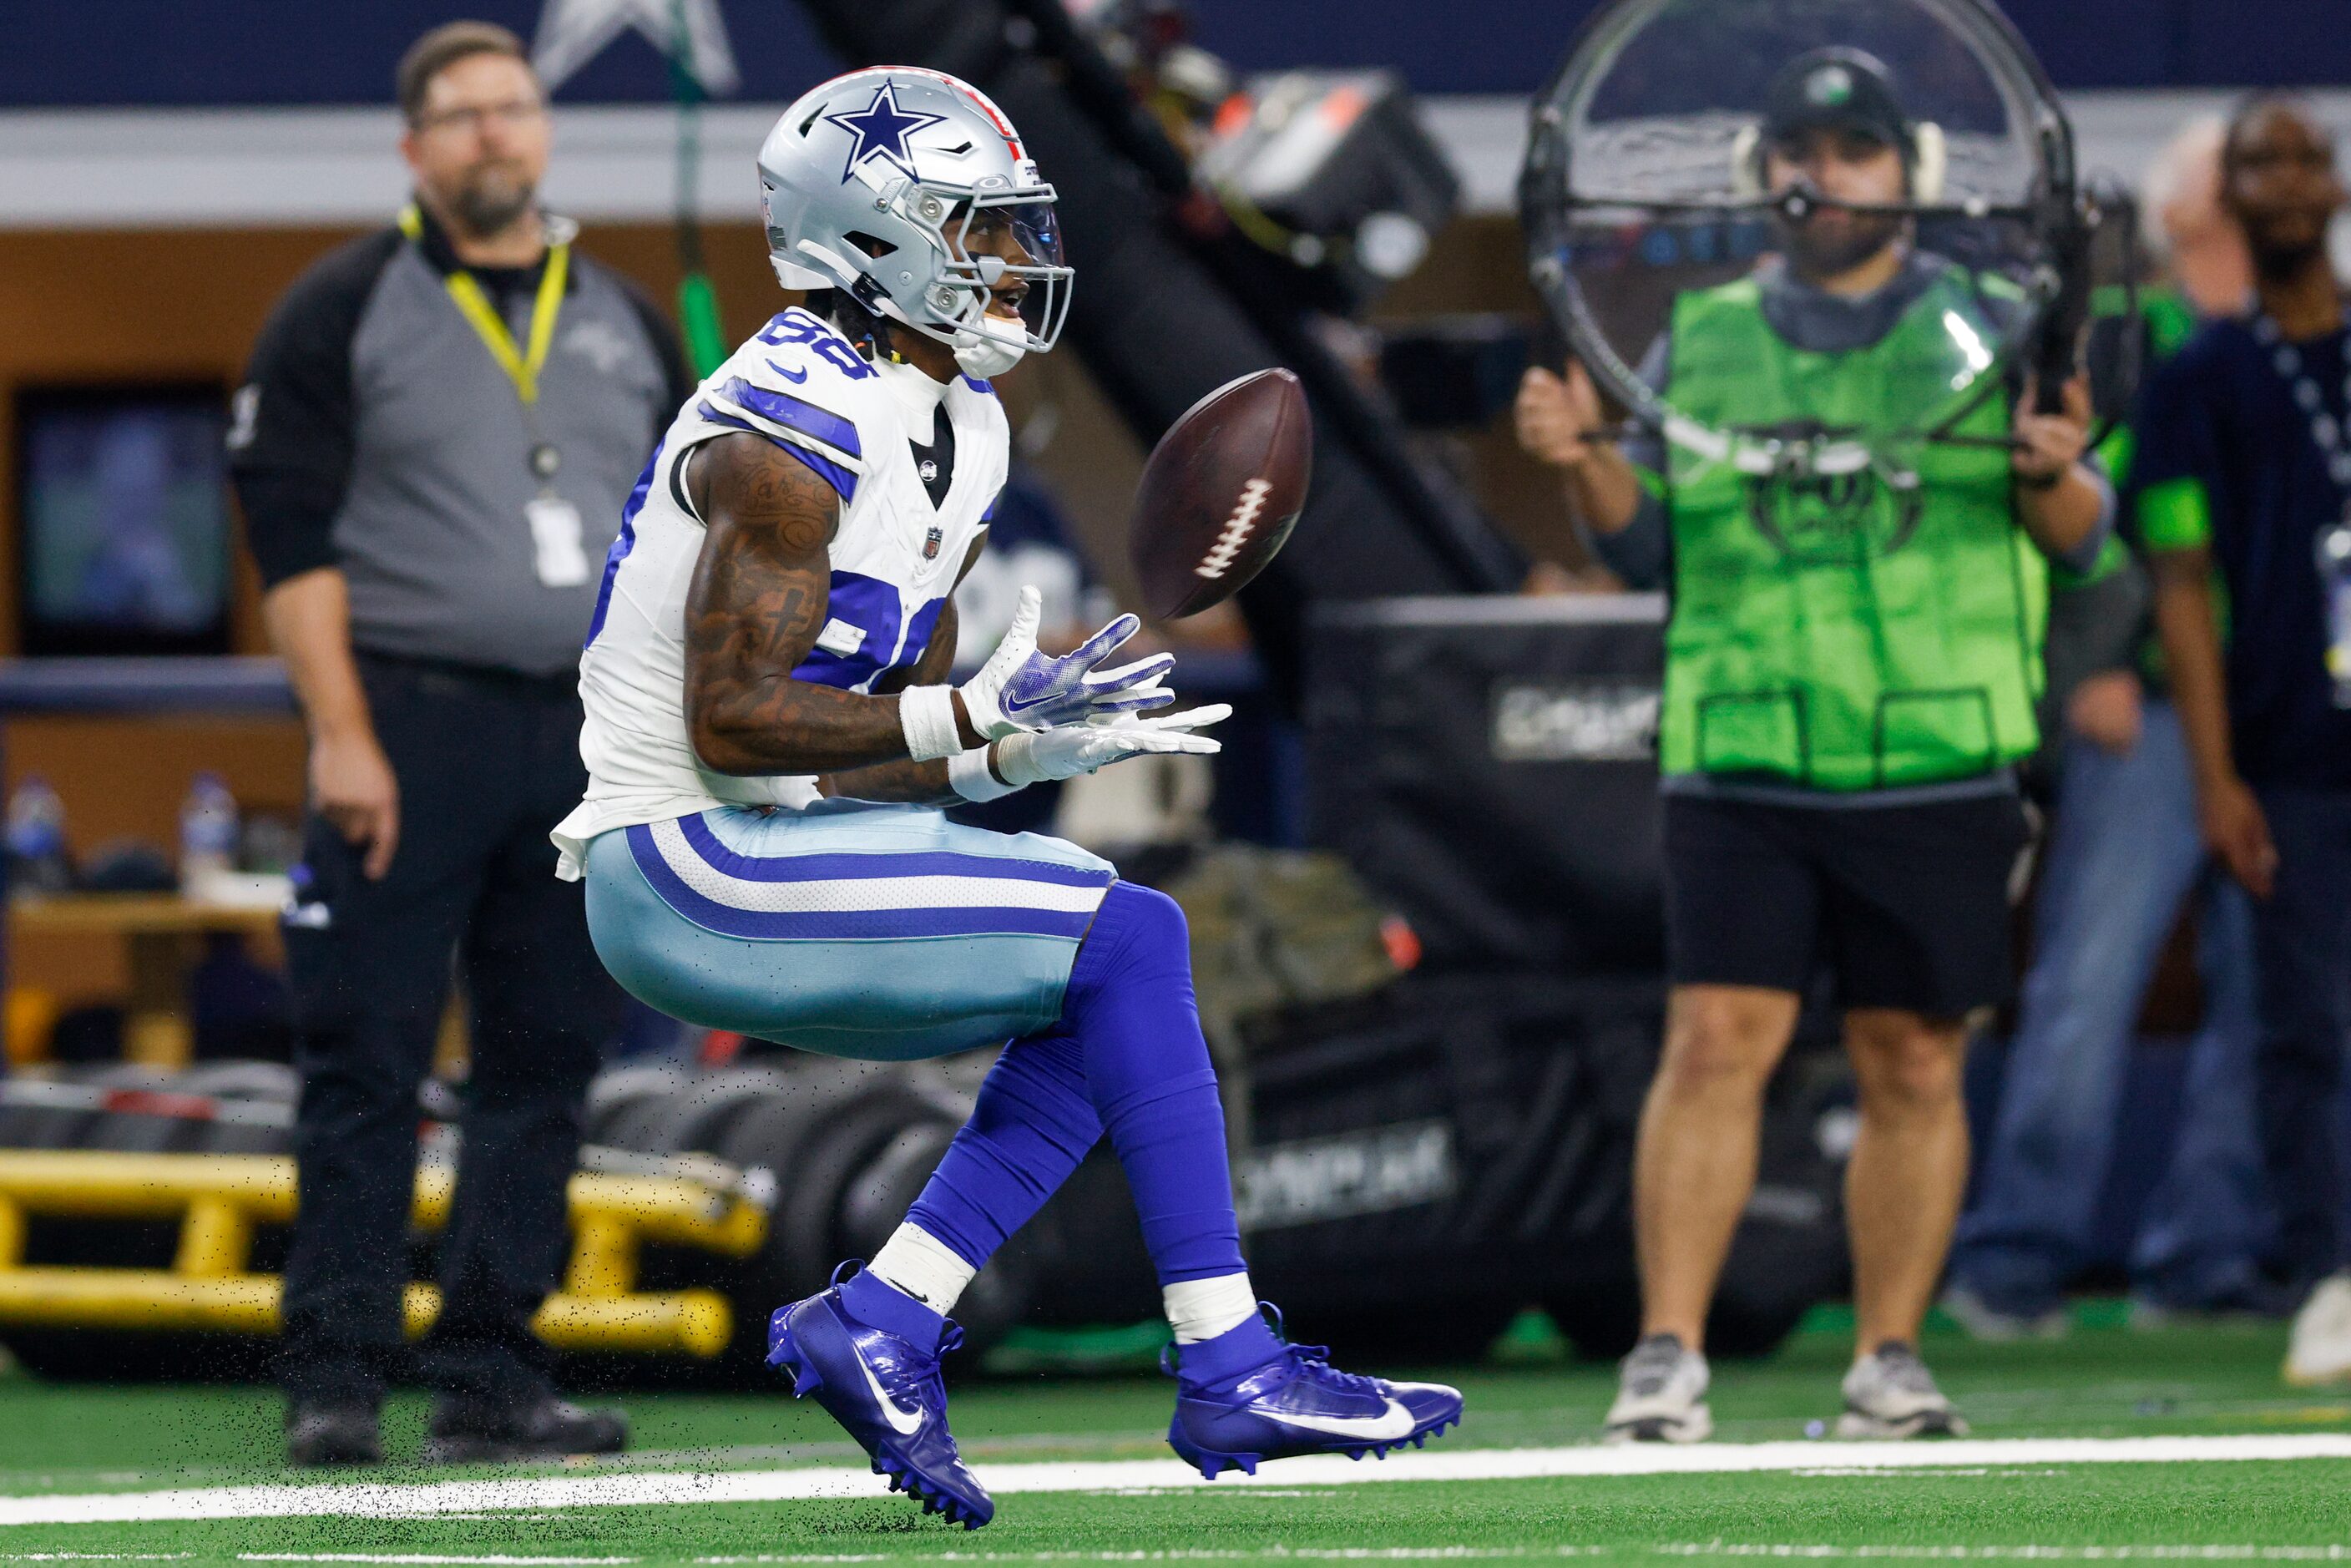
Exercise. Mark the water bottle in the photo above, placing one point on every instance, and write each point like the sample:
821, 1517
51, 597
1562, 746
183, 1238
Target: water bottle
2335, 585
37, 838
207, 832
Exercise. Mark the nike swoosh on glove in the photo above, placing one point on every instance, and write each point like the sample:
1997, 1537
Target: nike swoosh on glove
1064, 753
1021, 689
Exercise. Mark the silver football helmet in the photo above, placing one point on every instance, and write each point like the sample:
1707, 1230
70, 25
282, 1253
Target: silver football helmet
911, 190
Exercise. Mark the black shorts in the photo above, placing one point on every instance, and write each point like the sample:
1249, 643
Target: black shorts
1907, 906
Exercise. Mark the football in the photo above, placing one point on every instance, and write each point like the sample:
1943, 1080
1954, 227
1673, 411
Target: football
1220, 494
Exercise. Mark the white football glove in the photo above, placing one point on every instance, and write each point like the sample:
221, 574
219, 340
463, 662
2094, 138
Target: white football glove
1025, 758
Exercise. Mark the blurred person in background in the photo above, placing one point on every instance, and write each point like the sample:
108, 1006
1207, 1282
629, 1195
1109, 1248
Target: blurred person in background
1031, 541
2244, 475
2124, 852
1791, 845
438, 430
2205, 260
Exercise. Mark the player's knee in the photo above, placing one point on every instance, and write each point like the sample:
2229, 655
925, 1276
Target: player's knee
1138, 942
1155, 917
1144, 923
1907, 1065
1717, 1050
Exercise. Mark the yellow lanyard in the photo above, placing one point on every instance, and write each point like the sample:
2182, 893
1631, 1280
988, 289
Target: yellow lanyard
474, 306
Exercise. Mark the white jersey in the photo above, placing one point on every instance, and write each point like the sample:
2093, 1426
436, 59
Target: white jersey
801, 384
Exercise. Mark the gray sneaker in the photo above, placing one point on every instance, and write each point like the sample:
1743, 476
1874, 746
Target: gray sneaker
2319, 1354
1995, 1325
1661, 1394
1889, 1393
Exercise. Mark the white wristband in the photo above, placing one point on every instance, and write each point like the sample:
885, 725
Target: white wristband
969, 774
927, 716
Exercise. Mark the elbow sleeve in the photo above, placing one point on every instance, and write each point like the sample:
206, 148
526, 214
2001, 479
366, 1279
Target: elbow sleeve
1639, 552
286, 528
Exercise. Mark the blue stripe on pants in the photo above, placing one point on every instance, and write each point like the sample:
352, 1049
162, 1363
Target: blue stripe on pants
892, 983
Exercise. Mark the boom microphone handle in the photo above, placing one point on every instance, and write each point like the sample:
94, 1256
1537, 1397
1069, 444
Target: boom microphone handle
2056, 354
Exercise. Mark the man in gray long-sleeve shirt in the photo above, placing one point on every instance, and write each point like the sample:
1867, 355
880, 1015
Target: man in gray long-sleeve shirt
434, 448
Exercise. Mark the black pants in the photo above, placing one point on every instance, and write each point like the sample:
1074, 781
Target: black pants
488, 763
2301, 941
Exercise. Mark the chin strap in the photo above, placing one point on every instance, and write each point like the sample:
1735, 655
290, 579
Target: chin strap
985, 359
979, 355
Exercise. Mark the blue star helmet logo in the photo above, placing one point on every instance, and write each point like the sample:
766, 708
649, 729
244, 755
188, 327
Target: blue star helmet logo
881, 129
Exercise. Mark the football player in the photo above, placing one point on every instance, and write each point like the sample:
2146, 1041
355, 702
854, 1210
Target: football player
770, 734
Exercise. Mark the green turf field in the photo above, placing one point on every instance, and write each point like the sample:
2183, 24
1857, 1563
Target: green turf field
215, 1450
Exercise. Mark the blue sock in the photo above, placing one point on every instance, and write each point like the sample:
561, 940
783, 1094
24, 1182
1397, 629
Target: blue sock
874, 1301
1127, 1056
1031, 1128
1219, 1365
1148, 1074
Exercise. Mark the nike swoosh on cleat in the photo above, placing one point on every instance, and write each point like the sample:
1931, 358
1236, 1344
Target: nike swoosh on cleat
901, 1422
795, 377
1393, 1422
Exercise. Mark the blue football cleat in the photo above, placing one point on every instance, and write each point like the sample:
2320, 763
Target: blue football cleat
871, 1353
1248, 1395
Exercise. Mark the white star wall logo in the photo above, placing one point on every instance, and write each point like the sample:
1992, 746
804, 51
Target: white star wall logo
573, 32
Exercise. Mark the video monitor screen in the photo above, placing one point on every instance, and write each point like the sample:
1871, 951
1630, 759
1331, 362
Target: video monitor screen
124, 506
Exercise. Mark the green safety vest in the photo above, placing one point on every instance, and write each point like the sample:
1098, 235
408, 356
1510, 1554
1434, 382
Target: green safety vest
1833, 631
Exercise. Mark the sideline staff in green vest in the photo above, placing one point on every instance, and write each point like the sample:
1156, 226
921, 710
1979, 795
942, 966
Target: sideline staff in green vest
1851, 672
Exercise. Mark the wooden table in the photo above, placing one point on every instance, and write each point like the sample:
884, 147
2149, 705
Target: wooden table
161, 934
161, 929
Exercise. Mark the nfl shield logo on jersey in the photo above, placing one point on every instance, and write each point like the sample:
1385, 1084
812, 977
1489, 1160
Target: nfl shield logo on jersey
931, 543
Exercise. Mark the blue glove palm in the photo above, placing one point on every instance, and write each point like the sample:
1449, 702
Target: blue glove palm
1022, 689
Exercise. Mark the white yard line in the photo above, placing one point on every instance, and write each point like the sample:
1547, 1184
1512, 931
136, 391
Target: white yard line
374, 1499
1787, 1550
2221, 1554
2164, 1554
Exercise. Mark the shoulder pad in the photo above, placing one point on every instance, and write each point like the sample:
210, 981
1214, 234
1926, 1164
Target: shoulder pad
798, 343
796, 383
978, 400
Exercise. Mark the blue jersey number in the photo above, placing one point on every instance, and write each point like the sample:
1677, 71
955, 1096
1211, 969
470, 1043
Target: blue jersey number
819, 340
872, 612
624, 543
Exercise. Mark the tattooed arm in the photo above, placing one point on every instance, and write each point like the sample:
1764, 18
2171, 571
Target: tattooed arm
910, 782
907, 781
752, 614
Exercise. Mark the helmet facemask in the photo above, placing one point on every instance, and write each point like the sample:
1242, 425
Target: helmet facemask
985, 239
